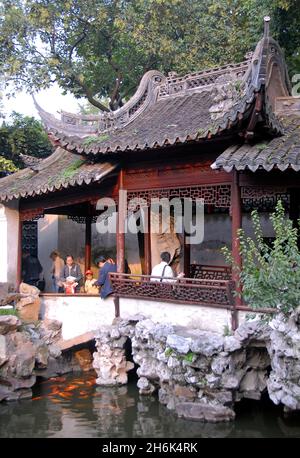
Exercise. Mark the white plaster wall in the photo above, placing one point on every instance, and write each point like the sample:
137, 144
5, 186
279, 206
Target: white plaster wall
78, 314
9, 242
47, 242
3, 245
193, 316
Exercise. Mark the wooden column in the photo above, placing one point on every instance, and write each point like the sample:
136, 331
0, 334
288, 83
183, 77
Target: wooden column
147, 241
19, 261
122, 210
88, 242
236, 224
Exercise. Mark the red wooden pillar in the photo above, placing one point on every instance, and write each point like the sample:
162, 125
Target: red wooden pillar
122, 210
88, 242
236, 224
147, 241
19, 261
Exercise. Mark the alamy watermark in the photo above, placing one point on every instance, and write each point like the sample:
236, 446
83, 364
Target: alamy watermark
166, 216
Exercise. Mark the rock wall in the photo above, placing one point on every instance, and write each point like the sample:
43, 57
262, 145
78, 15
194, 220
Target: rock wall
200, 374
284, 349
31, 350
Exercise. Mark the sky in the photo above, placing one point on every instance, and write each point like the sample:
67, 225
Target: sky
50, 100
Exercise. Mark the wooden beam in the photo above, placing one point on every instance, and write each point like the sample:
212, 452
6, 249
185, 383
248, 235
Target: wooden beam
236, 224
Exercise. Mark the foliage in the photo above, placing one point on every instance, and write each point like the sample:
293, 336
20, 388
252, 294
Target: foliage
227, 331
23, 134
168, 352
7, 166
7, 311
270, 275
189, 357
101, 48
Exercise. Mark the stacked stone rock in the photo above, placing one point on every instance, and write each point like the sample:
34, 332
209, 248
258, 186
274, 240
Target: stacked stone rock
26, 351
198, 374
110, 359
284, 350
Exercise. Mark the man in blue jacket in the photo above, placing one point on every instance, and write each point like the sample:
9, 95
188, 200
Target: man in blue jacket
106, 266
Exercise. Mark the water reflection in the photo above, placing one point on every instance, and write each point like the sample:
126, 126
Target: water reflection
75, 407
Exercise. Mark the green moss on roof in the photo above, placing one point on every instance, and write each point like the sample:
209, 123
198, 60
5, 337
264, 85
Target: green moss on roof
261, 146
88, 141
70, 171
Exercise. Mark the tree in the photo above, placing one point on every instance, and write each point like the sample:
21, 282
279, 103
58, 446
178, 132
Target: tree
270, 275
100, 48
23, 134
6, 166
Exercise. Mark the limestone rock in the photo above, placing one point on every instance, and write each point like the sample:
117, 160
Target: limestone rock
178, 343
3, 350
145, 387
9, 323
28, 308
207, 344
204, 412
231, 344
85, 359
284, 351
42, 354
28, 290
251, 330
52, 325
185, 393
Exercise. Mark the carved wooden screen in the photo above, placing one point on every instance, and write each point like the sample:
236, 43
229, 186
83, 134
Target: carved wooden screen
30, 237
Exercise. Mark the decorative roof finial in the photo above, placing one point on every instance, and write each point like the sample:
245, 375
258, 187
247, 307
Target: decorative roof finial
267, 26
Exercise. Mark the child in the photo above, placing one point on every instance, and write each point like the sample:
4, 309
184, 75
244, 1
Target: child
89, 285
70, 285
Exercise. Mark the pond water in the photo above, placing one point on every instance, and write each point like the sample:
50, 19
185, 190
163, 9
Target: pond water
73, 406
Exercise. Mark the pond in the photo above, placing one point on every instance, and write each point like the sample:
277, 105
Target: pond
74, 406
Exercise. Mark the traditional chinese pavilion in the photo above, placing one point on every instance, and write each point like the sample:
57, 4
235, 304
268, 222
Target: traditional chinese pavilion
229, 135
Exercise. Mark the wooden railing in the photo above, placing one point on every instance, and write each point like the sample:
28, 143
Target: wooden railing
207, 272
215, 293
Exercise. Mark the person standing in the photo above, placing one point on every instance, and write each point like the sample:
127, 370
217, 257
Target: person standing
106, 265
57, 266
31, 269
164, 271
71, 269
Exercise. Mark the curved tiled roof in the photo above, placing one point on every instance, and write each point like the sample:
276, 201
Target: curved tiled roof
281, 152
170, 110
62, 169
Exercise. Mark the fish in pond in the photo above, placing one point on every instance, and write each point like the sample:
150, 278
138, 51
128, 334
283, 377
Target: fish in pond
57, 379
65, 395
71, 388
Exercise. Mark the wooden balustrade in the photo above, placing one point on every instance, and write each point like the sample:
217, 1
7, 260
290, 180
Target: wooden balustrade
215, 293
208, 272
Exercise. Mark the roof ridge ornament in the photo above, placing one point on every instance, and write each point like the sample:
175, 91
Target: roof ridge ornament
267, 26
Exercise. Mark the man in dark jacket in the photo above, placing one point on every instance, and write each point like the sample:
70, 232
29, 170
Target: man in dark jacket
31, 269
71, 269
106, 266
